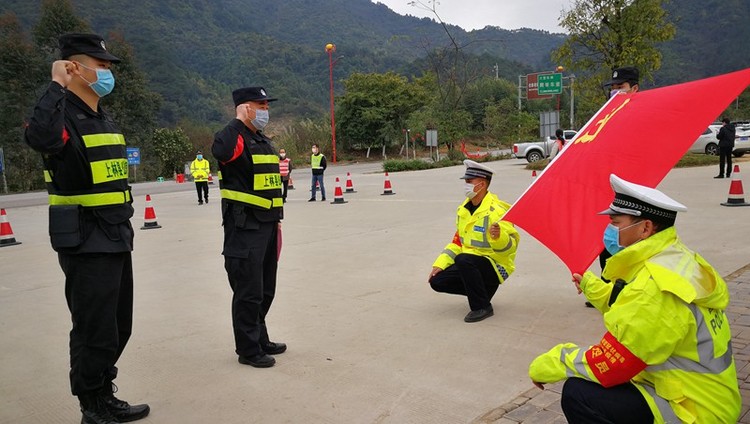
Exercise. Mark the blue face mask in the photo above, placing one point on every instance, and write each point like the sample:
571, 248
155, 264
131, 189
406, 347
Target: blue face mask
105, 81
611, 238
199, 157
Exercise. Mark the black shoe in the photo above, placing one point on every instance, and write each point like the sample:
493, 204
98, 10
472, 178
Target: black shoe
206, 200
272, 348
200, 202
589, 305
479, 314
257, 361
95, 411
312, 199
729, 175
719, 176
323, 199
121, 410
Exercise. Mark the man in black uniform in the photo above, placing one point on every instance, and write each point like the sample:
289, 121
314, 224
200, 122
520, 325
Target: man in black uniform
726, 137
251, 206
86, 171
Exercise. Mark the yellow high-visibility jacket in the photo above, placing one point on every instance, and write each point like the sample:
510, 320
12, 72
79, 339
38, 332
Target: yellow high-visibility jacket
473, 237
667, 334
200, 169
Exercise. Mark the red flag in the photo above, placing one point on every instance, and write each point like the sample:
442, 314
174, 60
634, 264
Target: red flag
638, 137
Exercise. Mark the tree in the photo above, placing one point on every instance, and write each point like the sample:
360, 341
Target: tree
19, 76
173, 148
57, 18
375, 107
605, 34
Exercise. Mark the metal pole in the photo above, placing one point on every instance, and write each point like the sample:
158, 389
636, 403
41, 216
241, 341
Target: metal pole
406, 138
572, 102
333, 119
519, 93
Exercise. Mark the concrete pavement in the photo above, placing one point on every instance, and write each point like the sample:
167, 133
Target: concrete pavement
369, 342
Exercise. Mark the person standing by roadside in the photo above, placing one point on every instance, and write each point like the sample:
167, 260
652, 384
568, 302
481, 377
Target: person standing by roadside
86, 171
726, 137
318, 165
285, 170
252, 209
199, 169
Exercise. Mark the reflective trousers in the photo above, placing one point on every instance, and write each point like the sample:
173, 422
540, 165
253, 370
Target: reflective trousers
99, 293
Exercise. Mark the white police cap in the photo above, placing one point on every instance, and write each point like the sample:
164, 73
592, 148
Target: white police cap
476, 170
637, 200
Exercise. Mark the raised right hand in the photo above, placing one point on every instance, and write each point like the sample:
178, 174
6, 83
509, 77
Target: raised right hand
63, 72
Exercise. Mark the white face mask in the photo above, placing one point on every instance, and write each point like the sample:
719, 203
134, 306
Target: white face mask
283, 155
617, 91
261, 119
469, 190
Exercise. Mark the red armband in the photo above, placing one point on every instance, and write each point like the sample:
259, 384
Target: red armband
65, 136
612, 363
457, 239
238, 148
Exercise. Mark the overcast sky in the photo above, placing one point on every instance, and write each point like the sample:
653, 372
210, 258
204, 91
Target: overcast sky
476, 14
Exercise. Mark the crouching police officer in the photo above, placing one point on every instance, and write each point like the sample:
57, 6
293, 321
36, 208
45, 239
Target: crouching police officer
481, 255
667, 354
86, 171
251, 203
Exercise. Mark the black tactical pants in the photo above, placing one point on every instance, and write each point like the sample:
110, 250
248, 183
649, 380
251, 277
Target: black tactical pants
585, 402
253, 281
99, 292
202, 188
471, 276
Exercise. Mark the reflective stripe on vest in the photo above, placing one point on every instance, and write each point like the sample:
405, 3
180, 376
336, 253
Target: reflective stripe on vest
98, 140
252, 199
315, 161
284, 167
258, 159
109, 170
266, 182
667, 413
91, 200
708, 364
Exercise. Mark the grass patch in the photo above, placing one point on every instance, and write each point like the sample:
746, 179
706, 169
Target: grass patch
687, 161
396, 165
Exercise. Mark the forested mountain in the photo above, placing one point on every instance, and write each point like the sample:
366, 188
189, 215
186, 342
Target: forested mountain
195, 52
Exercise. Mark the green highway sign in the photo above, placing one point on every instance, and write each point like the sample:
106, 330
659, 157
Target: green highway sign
549, 84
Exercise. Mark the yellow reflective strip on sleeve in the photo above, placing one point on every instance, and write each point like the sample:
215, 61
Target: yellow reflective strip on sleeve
109, 170
250, 199
266, 182
47, 176
97, 199
219, 174
257, 159
96, 140
278, 202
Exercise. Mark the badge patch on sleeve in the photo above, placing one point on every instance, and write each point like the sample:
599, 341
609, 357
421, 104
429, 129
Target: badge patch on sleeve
612, 363
479, 228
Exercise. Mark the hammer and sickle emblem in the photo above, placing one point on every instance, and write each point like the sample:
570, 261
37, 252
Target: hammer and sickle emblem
588, 137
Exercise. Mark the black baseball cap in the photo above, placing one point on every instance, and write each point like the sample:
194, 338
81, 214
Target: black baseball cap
250, 94
88, 44
625, 74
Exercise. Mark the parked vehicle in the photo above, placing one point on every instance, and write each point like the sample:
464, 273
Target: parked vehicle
534, 151
708, 144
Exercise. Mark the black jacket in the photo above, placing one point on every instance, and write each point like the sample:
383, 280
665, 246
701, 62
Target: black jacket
726, 136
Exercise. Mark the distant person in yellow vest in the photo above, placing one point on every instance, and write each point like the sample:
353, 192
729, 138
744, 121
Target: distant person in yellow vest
318, 165
285, 170
200, 169
481, 255
667, 354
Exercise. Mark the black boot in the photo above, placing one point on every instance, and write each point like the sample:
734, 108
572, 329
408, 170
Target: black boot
121, 410
95, 411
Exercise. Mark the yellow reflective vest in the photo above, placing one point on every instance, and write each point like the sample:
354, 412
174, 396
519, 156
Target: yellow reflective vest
670, 315
200, 169
474, 237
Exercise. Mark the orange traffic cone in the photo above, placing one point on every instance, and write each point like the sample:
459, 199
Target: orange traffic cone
338, 195
149, 218
387, 190
210, 179
291, 184
533, 174
6, 233
349, 185
736, 194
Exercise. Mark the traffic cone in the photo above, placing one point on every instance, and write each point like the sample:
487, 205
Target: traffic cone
349, 185
210, 179
6, 233
338, 195
291, 184
533, 174
736, 194
387, 190
149, 218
